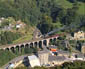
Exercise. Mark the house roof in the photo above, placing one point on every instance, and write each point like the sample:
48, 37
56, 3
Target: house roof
52, 46
33, 57
63, 52
43, 52
79, 55
34, 61
56, 58
11, 65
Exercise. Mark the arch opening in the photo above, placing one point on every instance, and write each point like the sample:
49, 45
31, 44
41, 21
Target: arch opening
31, 45
36, 44
22, 48
17, 49
51, 40
54, 39
12, 49
7, 49
27, 46
45, 42
40, 44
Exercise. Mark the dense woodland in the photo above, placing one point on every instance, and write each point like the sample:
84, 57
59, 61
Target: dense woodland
46, 15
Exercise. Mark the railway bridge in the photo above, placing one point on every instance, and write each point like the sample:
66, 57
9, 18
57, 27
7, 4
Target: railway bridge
36, 43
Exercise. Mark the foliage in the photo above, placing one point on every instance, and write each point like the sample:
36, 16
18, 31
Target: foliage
8, 37
74, 65
25, 10
8, 21
64, 16
42, 12
28, 50
5, 56
35, 12
73, 1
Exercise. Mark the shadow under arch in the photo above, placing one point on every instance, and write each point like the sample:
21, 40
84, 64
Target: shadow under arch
36, 44
7, 49
40, 44
27, 45
31, 45
12, 49
45, 42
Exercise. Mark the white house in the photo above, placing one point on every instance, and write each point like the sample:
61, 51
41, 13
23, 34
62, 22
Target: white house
34, 61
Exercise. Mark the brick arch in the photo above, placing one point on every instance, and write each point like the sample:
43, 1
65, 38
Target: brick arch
40, 44
7, 49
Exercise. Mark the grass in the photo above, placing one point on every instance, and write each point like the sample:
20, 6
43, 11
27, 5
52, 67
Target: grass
22, 39
82, 8
27, 36
66, 4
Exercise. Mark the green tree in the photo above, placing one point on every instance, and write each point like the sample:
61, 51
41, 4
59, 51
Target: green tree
5, 56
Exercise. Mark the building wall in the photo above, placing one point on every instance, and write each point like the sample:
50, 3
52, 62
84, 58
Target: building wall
34, 63
66, 55
43, 58
83, 49
79, 35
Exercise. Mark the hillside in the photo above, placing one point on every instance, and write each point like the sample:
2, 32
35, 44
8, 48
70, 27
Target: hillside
46, 15
12, 31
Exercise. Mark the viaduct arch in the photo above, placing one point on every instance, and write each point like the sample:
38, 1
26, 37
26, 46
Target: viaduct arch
36, 44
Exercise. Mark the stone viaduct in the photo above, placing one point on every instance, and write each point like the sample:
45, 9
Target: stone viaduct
37, 43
